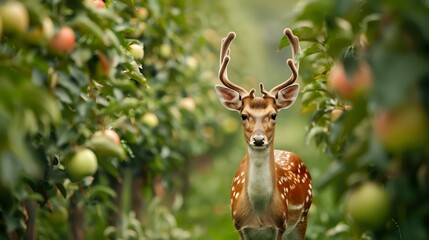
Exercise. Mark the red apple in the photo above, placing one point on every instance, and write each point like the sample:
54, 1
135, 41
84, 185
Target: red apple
403, 128
99, 3
103, 65
14, 16
63, 41
350, 87
111, 134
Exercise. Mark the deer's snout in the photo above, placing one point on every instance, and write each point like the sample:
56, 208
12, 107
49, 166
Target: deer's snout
258, 139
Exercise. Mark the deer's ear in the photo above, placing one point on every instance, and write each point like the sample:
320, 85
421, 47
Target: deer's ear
287, 96
229, 98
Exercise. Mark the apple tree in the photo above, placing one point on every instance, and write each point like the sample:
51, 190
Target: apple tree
102, 103
365, 71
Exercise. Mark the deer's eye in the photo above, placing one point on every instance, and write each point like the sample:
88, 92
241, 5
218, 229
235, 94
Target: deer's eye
244, 117
273, 116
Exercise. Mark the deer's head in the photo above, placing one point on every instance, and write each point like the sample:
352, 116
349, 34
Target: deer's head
258, 113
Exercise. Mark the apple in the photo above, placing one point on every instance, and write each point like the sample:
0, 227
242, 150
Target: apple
103, 64
336, 114
14, 16
99, 3
137, 51
350, 87
230, 125
403, 128
368, 206
192, 62
138, 28
150, 119
48, 28
187, 104
165, 50
59, 214
142, 13
63, 41
41, 34
82, 164
111, 134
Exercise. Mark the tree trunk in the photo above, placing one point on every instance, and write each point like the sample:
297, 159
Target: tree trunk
30, 207
137, 198
115, 216
76, 218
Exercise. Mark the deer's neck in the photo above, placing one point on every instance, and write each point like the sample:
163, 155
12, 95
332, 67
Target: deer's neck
260, 184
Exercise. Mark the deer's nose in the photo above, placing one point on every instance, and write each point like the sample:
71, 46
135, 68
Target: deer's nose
258, 140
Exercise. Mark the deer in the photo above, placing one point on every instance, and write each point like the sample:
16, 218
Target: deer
271, 191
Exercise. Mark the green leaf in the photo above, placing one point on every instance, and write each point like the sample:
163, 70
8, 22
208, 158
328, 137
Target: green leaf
90, 27
395, 74
335, 171
63, 95
129, 3
315, 48
62, 189
107, 164
122, 105
283, 43
314, 131
103, 190
104, 146
309, 98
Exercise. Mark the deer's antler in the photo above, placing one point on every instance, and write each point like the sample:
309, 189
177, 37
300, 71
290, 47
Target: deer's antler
293, 64
223, 70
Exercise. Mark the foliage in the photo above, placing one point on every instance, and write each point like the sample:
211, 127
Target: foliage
371, 136
53, 103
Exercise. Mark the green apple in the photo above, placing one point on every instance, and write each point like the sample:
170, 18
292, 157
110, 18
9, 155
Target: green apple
187, 104
336, 114
165, 50
14, 16
150, 119
368, 206
82, 164
142, 13
41, 34
137, 51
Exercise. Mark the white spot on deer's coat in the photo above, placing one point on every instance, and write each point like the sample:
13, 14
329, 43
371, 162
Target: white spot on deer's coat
295, 206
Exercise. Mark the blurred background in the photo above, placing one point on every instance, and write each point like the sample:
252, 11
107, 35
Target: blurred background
110, 127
